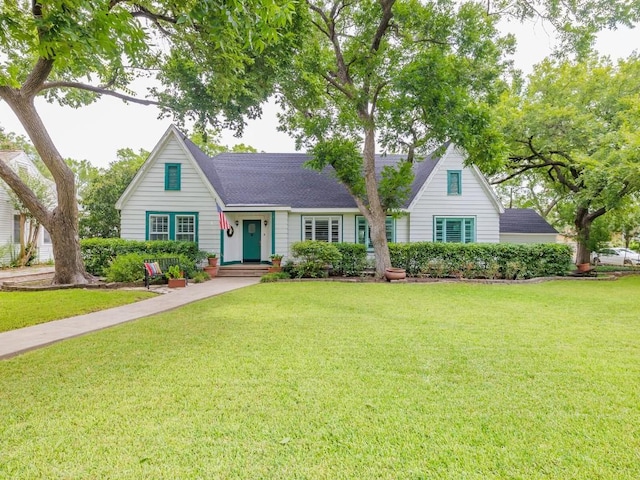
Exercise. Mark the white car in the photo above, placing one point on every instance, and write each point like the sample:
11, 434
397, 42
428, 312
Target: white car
616, 256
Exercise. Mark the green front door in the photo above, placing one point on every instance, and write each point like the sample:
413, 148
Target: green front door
251, 240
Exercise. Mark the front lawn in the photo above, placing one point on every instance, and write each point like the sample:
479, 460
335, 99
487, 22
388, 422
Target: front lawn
23, 309
341, 381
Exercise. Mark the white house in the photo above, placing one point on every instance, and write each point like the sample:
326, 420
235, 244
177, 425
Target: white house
10, 218
273, 200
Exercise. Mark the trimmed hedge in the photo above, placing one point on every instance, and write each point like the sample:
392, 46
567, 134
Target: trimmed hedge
312, 257
353, 260
98, 253
481, 260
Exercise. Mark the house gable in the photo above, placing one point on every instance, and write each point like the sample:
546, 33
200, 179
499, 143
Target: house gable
472, 202
171, 194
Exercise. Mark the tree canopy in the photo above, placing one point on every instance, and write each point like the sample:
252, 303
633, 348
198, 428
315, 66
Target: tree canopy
402, 75
211, 60
574, 126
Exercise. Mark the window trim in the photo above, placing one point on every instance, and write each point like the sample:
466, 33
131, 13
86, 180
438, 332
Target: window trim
167, 183
360, 218
473, 219
172, 223
450, 182
330, 218
46, 237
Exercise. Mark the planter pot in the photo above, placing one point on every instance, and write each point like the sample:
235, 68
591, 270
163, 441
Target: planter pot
212, 271
584, 267
177, 282
275, 269
395, 274
213, 262
276, 263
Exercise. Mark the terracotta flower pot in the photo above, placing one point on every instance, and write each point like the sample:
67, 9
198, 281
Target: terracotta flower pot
177, 282
211, 271
213, 262
584, 267
395, 274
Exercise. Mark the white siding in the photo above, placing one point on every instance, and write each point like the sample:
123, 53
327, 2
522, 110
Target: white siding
528, 238
150, 195
282, 233
6, 223
402, 229
474, 202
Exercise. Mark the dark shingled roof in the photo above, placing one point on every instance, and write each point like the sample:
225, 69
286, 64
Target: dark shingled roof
282, 179
523, 220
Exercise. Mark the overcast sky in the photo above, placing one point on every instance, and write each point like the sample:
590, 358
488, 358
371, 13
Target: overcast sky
97, 131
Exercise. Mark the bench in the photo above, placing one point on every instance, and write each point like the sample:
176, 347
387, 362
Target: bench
157, 268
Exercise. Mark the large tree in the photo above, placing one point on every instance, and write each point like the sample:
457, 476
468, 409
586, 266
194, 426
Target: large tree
396, 76
575, 126
99, 215
212, 59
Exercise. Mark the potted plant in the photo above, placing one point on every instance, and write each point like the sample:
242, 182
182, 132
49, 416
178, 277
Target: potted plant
213, 259
176, 277
276, 259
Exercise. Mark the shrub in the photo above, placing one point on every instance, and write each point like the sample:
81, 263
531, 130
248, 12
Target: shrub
200, 276
353, 259
126, 268
129, 267
312, 258
274, 277
97, 253
481, 260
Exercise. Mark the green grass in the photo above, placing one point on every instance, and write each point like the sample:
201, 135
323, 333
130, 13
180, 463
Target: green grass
341, 381
23, 309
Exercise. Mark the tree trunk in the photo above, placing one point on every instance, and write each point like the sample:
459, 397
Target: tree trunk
583, 223
376, 215
62, 222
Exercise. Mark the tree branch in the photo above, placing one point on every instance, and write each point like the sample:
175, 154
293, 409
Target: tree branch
36, 78
387, 15
98, 90
24, 193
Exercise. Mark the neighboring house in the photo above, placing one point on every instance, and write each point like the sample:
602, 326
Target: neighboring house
272, 200
10, 218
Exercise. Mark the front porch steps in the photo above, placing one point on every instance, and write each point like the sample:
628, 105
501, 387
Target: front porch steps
243, 270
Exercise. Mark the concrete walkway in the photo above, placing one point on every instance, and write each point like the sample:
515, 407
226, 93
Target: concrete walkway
18, 341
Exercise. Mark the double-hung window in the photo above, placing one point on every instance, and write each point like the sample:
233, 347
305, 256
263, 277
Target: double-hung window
180, 226
363, 231
458, 230
325, 229
454, 182
186, 228
172, 176
158, 227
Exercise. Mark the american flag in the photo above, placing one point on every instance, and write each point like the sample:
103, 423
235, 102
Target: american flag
224, 223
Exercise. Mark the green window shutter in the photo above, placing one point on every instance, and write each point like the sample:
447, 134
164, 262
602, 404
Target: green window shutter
439, 229
361, 231
172, 176
454, 182
390, 231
